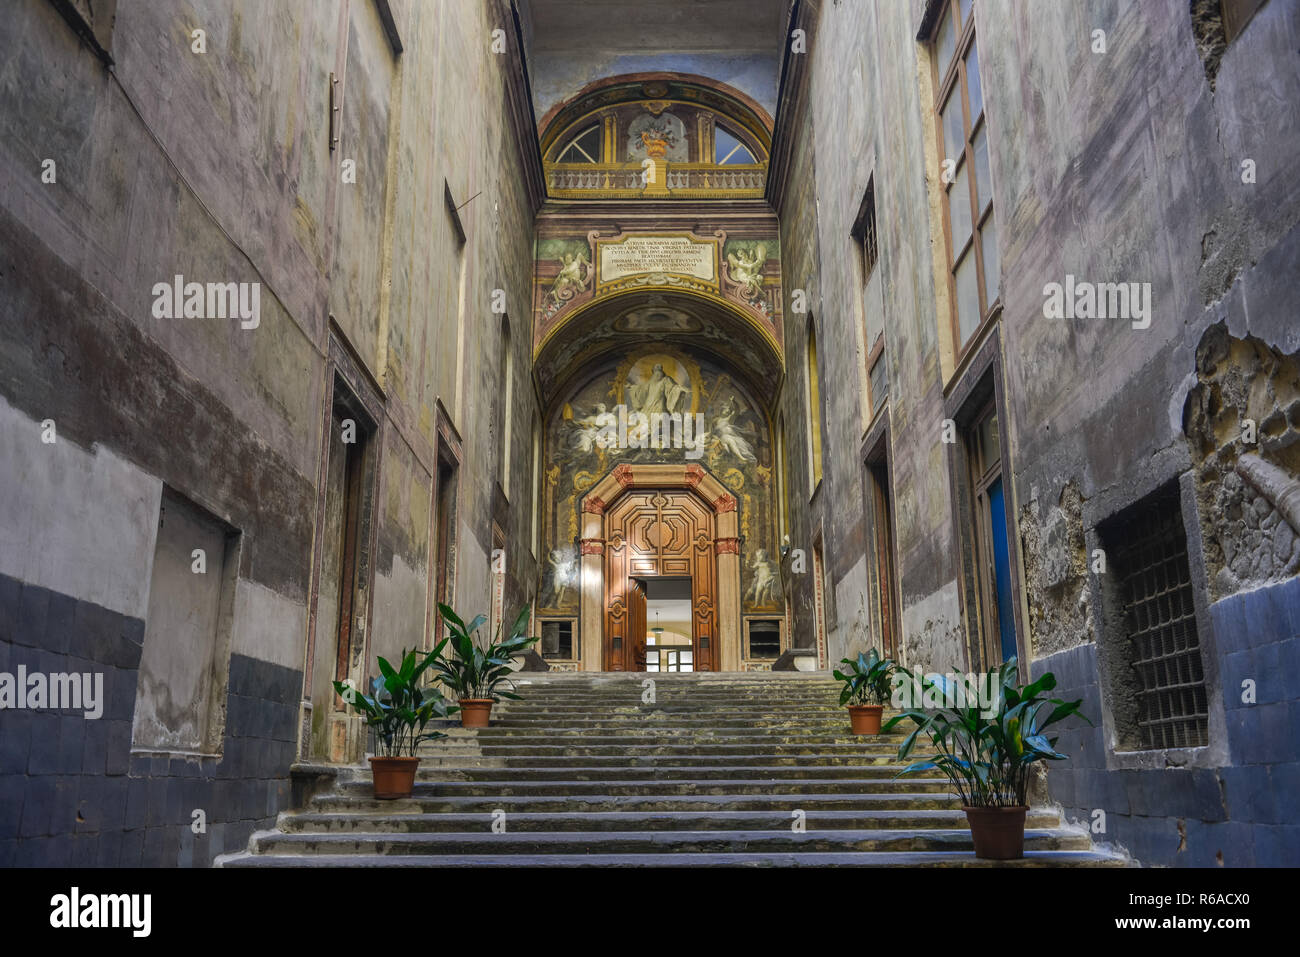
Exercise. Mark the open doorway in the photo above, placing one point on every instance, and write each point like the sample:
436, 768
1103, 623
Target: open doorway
669, 639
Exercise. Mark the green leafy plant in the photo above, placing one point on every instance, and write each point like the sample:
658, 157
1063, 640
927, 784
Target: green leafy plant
398, 707
987, 754
481, 672
867, 680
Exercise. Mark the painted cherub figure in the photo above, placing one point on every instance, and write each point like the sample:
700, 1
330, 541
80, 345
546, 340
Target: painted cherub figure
572, 277
746, 270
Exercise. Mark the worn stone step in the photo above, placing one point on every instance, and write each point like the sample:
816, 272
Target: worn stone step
631, 737
709, 775
653, 747
641, 842
650, 757
651, 771
1032, 858
694, 785
734, 820
837, 722
360, 801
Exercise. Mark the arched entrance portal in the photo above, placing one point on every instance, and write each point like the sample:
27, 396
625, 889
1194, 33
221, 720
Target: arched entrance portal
658, 356
647, 522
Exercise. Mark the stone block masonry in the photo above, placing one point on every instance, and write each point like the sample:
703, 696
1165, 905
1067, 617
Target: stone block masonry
73, 792
1170, 813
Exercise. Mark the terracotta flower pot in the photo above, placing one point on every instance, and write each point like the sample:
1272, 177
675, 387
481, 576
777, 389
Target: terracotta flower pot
865, 718
474, 712
998, 832
394, 777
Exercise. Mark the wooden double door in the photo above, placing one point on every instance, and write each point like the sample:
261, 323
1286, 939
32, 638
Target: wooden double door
658, 533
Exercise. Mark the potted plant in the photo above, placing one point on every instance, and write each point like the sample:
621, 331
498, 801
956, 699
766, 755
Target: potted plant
398, 709
988, 750
866, 689
476, 674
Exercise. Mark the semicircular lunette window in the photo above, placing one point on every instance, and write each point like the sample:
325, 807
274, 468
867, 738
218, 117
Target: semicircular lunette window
583, 148
729, 150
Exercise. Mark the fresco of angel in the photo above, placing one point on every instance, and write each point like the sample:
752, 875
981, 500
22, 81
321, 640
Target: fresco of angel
728, 435
746, 270
572, 277
593, 431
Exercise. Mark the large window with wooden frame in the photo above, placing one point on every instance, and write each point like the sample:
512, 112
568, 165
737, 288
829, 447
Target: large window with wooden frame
971, 234
992, 549
865, 239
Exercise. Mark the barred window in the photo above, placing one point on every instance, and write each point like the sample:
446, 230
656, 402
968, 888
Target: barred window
1148, 551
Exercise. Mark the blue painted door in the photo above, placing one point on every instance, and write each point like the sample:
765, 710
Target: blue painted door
1002, 570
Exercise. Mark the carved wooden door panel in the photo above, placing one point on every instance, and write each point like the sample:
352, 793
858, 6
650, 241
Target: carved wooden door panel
652, 534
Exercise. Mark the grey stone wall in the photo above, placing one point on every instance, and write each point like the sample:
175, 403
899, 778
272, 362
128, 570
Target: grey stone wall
74, 793
217, 165
1240, 813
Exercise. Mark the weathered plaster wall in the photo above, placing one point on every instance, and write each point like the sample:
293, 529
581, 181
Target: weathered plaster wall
1122, 186
216, 165
866, 120
1122, 166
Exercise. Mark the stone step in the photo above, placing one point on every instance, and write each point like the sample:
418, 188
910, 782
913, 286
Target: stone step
670, 772
664, 692
710, 775
641, 842
682, 724
654, 744
644, 757
653, 737
297, 822
1032, 858
632, 706
428, 803
678, 785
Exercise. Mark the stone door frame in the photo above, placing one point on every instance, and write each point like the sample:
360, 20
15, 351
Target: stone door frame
602, 495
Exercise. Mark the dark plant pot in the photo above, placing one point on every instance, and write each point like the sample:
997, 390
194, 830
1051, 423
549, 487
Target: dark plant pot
394, 777
865, 718
998, 832
474, 712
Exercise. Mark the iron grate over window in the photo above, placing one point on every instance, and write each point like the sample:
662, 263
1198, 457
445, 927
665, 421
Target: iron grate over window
1160, 618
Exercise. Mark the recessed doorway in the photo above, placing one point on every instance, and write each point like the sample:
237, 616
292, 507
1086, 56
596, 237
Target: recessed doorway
670, 638
662, 540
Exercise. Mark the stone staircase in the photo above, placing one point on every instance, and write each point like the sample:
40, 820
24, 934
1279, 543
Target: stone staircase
715, 771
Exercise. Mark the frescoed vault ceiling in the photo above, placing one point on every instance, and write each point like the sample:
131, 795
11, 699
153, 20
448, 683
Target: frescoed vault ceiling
636, 319
573, 42
612, 288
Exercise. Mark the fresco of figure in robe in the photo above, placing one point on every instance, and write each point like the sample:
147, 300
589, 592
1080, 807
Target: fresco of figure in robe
658, 394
